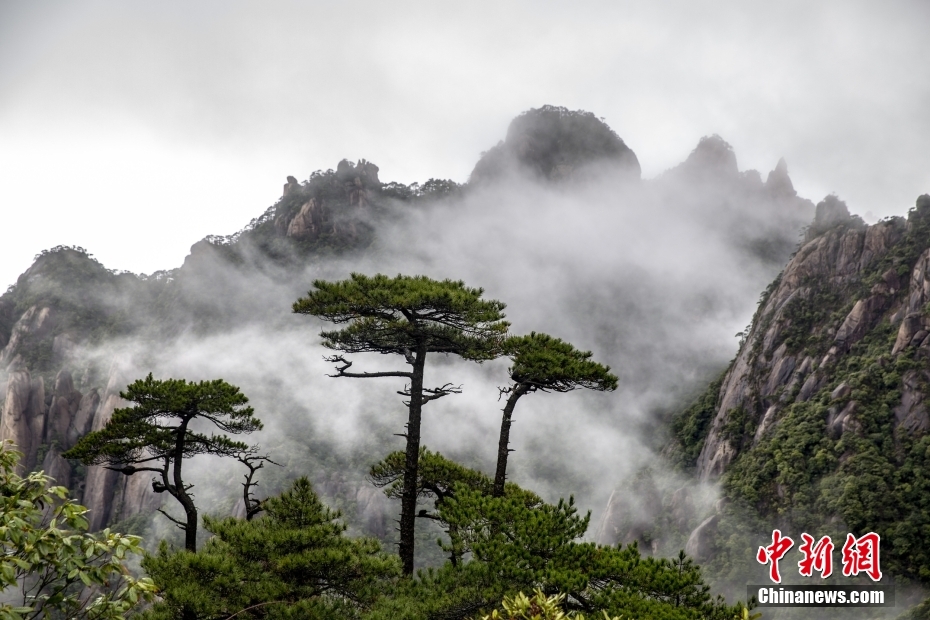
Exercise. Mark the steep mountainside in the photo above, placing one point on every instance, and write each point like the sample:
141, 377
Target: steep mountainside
820, 422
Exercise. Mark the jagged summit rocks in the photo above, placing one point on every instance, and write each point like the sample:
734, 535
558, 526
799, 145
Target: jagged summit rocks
555, 143
779, 183
829, 213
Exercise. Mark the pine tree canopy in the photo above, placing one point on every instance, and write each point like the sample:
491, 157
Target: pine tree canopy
395, 315
438, 477
550, 364
149, 430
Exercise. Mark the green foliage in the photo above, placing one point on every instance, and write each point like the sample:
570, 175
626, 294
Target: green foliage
871, 478
543, 363
918, 612
396, 315
294, 562
550, 364
692, 425
430, 190
539, 607
518, 547
158, 426
156, 434
807, 315
438, 478
50, 558
409, 316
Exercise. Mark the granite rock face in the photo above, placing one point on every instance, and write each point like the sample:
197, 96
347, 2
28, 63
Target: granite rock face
19, 418
328, 207
842, 263
32, 326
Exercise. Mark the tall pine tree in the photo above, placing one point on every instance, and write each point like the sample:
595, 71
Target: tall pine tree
409, 316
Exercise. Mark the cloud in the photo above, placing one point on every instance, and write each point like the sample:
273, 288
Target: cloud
125, 114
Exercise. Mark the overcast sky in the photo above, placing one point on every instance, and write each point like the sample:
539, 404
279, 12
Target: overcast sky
135, 129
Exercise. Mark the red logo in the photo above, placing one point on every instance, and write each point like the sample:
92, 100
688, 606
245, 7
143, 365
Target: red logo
774, 552
860, 555
816, 557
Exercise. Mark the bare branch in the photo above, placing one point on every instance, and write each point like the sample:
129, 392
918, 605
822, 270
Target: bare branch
254, 607
180, 524
252, 506
346, 364
432, 393
130, 470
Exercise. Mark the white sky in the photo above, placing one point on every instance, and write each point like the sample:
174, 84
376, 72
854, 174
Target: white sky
135, 129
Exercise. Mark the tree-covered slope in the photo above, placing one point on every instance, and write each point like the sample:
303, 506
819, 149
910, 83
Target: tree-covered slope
820, 423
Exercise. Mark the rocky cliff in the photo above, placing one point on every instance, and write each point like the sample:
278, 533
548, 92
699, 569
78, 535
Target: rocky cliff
820, 422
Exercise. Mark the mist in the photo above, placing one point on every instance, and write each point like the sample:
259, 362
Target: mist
654, 277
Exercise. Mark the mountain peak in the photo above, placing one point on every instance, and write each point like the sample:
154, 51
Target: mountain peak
712, 156
778, 182
556, 143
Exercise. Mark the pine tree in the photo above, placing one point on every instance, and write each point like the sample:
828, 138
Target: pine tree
545, 364
156, 434
294, 562
437, 479
409, 316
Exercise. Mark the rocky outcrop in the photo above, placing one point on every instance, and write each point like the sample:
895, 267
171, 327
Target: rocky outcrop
100, 482
911, 414
327, 205
135, 497
57, 468
770, 370
712, 159
22, 418
61, 412
83, 419
915, 325
35, 324
291, 185
701, 544
778, 184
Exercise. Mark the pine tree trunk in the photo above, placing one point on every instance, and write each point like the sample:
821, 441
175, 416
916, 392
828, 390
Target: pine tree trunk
500, 476
190, 529
411, 463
